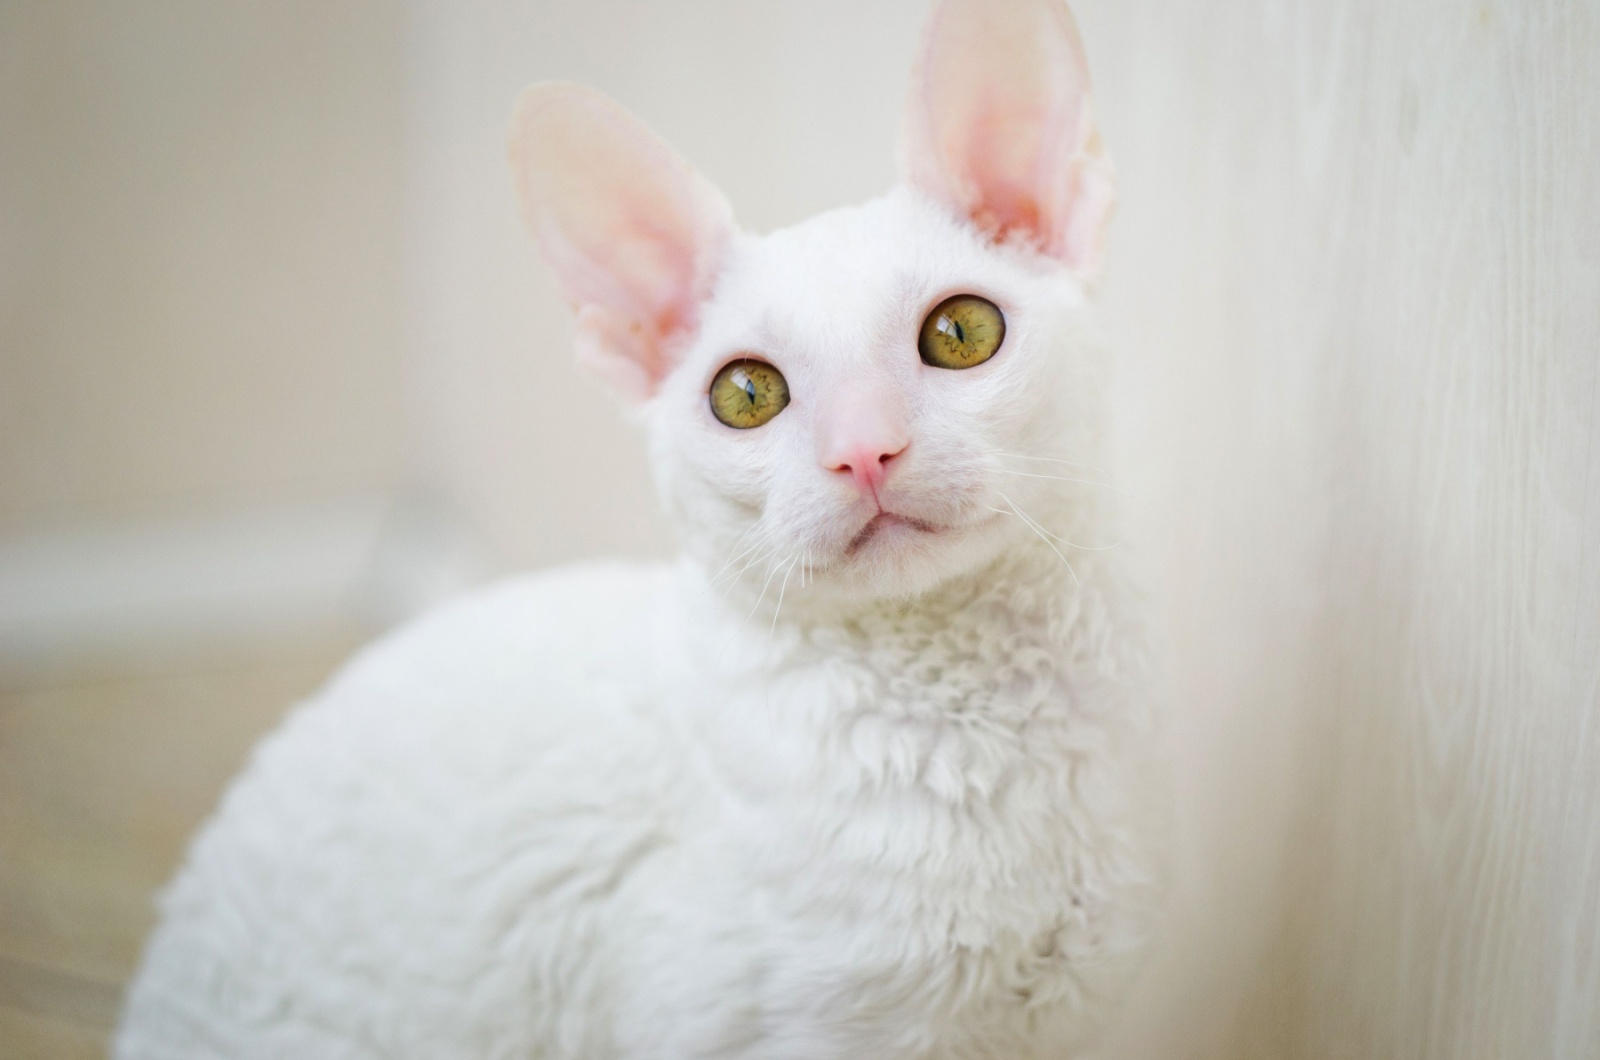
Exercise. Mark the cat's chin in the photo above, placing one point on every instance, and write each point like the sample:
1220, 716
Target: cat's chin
899, 557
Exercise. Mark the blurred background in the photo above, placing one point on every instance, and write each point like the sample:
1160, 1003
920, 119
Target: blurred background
278, 369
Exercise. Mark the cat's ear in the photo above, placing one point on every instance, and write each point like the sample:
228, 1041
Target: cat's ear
635, 236
1000, 127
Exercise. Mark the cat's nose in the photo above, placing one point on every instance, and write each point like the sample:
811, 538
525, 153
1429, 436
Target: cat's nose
860, 438
867, 464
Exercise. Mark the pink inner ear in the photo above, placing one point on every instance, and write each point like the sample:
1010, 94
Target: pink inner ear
633, 234
1001, 129
1004, 178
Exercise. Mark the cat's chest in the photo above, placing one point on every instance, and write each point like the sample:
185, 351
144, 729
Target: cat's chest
928, 844
908, 780
954, 707
918, 807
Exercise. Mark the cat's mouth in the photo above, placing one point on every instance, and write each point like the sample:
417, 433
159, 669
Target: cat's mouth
886, 521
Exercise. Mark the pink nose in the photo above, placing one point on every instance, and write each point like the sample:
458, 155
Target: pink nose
867, 464
860, 437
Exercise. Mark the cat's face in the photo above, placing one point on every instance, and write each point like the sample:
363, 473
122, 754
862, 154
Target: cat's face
870, 402
883, 474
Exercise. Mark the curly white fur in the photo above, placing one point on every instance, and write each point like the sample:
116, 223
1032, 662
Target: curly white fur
795, 797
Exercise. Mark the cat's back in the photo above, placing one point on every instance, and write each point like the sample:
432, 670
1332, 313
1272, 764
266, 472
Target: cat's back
393, 857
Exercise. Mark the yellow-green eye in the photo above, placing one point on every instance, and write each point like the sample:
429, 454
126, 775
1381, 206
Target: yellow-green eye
748, 393
961, 332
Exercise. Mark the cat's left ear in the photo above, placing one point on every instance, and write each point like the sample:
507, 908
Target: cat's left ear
1000, 127
635, 236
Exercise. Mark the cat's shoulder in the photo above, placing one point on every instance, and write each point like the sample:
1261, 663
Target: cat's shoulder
557, 623
578, 599
514, 669
473, 696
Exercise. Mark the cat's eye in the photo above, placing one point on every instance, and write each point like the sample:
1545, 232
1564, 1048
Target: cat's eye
961, 332
748, 393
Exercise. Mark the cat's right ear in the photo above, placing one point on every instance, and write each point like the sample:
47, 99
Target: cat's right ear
635, 236
1001, 130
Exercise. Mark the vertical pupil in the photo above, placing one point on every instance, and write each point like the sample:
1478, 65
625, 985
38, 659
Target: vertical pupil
742, 380
952, 327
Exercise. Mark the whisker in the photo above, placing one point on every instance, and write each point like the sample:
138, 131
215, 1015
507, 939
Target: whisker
1059, 478
771, 570
1046, 459
781, 589
1058, 537
764, 532
1030, 524
760, 557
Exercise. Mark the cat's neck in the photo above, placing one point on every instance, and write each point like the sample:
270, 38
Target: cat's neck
1010, 658
1020, 594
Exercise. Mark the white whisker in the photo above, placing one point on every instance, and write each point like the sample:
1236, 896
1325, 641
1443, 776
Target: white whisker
759, 557
1039, 530
771, 570
1059, 478
781, 590
1058, 537
761, 538
1047, 459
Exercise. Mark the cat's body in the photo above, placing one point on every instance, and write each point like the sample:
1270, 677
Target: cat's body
555, 841
872, 771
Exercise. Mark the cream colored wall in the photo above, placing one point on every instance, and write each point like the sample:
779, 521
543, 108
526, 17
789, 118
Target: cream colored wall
200, 257
1357, 284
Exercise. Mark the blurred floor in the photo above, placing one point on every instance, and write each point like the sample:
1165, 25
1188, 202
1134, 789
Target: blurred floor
105, 770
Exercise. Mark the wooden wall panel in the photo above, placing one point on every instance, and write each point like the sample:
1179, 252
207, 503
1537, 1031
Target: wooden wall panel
1357, 282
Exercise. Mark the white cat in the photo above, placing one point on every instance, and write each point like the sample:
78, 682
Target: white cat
871, 772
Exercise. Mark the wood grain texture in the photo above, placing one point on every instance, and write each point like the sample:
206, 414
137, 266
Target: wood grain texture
1357, 276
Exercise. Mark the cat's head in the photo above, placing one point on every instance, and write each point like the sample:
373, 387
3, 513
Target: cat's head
874, 400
